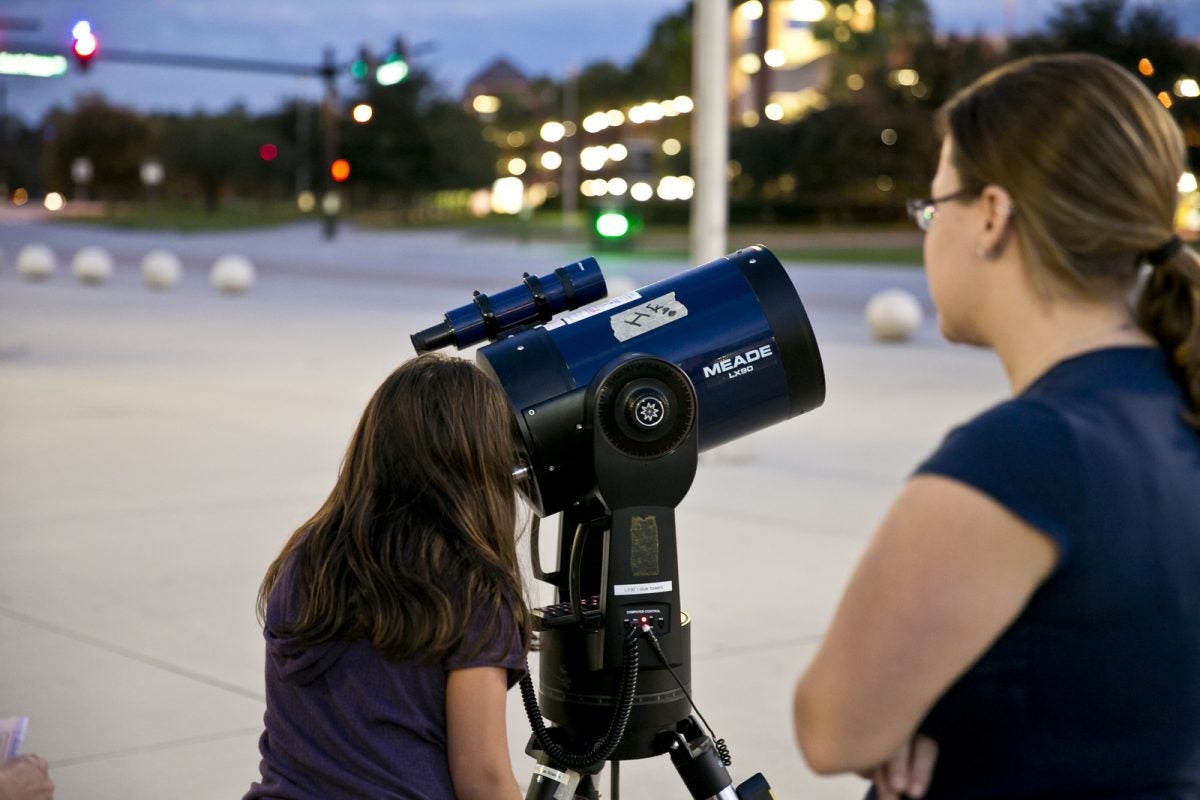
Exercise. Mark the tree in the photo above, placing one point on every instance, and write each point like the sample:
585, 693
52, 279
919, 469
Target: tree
116, 140
214, 151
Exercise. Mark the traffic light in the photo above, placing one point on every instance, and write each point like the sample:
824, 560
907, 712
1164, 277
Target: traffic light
85, 45
614, 227
392, 71
339, 170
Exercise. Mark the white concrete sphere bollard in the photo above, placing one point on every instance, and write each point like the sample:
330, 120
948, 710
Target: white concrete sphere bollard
161, 269
893, 315
36, 262
92, 265
232, 274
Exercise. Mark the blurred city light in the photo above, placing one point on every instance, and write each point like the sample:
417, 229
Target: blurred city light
615, 117
515, 139
617, 186
20, 197
268, 152
552, 131
749, 63
641, 191
485, 104
517, 166
773, 111
594, 123
551, 160
617, 152
855, 82
508, 196
593, 158
671, 147
808, 10
684, 104
774, 58
905, 77
752, 9
306, 201
888, 137
1145, 67
362, 113
339, 170
1187, 87
1187, 182
1165, 99
54, 201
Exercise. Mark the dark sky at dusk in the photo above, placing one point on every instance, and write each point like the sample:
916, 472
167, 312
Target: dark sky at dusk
458, 38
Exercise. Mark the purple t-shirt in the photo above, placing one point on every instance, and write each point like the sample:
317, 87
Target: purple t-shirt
342, 721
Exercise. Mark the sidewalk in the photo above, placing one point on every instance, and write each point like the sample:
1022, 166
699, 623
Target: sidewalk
156, 449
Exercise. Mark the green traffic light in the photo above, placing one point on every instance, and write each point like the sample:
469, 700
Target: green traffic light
612, 225
359, 69
392, 71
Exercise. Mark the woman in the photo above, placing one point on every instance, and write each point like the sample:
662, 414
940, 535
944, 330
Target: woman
1026, 620
395, 618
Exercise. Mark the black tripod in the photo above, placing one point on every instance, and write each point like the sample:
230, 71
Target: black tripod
615, 651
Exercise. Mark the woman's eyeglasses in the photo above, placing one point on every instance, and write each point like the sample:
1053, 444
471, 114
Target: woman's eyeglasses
922, 212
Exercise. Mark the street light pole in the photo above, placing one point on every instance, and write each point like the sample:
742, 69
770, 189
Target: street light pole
710, 131
329, 205
570, 154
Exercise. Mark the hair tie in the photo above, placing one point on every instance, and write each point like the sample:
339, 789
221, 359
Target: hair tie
1161, 255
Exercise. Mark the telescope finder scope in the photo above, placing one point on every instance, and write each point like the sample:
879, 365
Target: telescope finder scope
534, 301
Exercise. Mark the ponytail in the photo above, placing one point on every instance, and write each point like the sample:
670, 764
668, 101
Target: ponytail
1169, 310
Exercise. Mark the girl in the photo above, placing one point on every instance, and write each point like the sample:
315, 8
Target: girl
395, 617
1026, 621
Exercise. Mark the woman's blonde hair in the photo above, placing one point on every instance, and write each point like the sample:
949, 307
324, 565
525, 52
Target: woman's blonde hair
415, 546
1092, 161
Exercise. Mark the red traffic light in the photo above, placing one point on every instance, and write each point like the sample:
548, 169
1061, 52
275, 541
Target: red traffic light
339, 170
85, 45
268, 152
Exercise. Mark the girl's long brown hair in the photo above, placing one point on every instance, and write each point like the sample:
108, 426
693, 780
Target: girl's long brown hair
417, 539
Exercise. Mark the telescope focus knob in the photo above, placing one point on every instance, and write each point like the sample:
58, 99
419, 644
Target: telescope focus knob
646, 406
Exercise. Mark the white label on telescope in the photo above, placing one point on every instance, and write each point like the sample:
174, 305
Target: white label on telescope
591, 311
644, 318
550, 773
621, 589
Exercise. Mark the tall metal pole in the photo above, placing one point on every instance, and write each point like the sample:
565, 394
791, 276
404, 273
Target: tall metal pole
710, 131
330, 204
570, 154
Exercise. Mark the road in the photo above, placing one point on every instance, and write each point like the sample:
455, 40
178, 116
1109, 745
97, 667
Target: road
156, 448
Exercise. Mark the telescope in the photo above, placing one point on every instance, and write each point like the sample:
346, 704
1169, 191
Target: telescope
614, 400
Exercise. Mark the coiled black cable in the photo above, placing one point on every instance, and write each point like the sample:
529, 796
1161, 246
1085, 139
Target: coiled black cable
616, 726
719, 744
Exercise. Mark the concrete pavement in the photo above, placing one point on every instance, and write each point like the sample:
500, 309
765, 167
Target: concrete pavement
156, 448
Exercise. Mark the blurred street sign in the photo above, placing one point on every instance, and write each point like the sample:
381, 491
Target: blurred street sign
33, 65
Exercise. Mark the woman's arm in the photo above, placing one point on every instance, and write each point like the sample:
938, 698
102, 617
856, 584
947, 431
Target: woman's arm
476, 739
948, 570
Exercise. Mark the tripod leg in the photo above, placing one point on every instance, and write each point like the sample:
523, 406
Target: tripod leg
701, 768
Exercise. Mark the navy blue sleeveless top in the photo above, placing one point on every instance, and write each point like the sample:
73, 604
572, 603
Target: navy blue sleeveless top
1094, 691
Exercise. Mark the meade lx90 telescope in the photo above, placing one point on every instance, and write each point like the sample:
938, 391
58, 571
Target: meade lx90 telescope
614, 402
